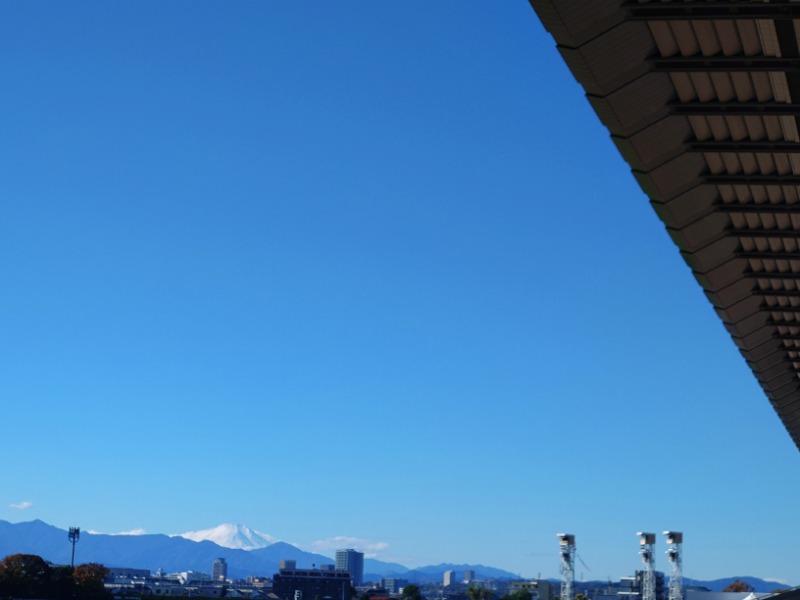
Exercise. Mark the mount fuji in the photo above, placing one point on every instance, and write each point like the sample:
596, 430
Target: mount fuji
229, 535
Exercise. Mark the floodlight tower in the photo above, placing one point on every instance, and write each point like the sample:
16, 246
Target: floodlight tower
675, 556
74, 535
567, 545
647, 543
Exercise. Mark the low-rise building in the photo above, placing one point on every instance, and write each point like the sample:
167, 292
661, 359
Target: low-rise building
311, 584
393, 585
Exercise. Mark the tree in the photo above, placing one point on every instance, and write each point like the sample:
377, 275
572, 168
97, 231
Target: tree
61, 584
90, 575
411, 592
520, 594
23, 575
89, 580
478, 592
738, 586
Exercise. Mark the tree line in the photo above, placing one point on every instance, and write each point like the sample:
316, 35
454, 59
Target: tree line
30, 576
474, 592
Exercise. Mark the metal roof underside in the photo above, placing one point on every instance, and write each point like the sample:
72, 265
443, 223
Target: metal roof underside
702, 99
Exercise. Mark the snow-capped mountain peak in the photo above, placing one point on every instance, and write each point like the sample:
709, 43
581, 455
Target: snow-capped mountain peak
229, 535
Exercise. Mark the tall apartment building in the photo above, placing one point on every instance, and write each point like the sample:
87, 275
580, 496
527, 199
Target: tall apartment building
449, 578
219, 570
353, 562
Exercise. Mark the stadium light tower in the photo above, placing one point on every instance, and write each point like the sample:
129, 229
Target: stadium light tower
675, 556
74, 535
567, 545
647, 542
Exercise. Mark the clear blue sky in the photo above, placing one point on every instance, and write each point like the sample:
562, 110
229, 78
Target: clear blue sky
366, 269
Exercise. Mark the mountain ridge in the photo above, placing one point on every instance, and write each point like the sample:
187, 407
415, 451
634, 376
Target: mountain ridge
175, 553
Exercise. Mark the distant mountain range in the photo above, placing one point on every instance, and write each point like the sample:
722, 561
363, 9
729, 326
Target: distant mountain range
760, 586
717, 585
247, 552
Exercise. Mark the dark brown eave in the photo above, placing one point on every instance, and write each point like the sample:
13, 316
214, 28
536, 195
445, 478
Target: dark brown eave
702, 99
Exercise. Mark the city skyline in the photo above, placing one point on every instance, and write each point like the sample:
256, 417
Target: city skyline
364, 275
239, 537
39, 539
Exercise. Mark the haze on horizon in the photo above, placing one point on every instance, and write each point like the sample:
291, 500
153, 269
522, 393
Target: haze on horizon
370, 270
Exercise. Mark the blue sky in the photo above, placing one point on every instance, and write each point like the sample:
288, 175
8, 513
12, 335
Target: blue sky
363, 269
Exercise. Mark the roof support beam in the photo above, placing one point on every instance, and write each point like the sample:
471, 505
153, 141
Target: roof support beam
735, 108
787, 337
752, 179
768, 233
744, 146
698, 9
767, 255
779, 294
784, 276
761, 209
783, 323
706, 64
